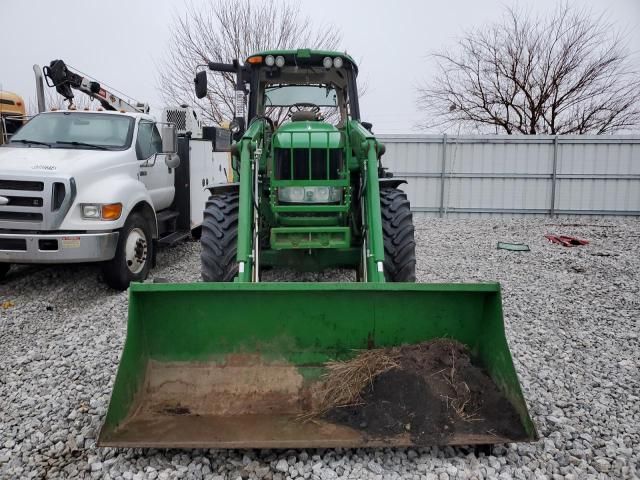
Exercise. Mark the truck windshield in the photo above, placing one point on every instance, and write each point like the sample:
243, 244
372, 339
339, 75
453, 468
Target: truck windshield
77, 130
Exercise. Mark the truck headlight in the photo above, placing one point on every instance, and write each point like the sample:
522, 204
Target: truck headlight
309, 194
90, 210
101, 211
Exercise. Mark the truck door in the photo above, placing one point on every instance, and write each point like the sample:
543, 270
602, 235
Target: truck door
154, 173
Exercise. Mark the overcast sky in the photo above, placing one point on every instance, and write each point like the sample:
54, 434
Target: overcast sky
120, 42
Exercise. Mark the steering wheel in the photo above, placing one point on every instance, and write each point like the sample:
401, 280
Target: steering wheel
303, 106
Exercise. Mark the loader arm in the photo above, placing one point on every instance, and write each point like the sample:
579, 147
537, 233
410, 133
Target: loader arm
366, 148
250, 143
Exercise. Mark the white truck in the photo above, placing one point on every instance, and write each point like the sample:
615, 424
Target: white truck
104, 186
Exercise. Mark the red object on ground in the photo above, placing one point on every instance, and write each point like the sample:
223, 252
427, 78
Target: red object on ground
566, 241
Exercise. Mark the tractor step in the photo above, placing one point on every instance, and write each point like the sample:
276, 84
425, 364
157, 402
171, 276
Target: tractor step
173, 238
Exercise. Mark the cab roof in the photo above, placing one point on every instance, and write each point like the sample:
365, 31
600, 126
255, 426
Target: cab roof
308, 54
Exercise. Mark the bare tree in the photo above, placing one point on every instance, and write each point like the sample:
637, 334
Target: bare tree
561, 74
54, 101
221, 30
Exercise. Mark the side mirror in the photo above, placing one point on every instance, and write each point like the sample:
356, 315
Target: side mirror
201, 84
169, 139
170, 146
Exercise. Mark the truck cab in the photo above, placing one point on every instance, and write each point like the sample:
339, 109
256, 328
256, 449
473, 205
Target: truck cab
87, 186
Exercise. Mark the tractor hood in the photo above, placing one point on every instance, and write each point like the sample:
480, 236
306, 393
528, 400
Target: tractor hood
307, 134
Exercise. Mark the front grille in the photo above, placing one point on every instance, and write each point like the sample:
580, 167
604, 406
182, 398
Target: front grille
29, 186
14, 244
32, 204
23, 201
21, 216
308, 163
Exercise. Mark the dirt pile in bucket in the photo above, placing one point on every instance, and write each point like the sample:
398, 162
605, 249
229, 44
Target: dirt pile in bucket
429, 391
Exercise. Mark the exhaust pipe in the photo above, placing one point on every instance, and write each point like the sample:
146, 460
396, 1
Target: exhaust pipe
39, 88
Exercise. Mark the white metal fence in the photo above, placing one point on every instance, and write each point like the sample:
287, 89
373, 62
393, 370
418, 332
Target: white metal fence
518, 175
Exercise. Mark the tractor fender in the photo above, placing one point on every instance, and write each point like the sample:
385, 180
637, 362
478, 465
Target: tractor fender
224, 188
391, 182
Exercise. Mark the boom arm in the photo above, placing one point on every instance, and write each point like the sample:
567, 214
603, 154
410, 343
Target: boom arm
59, 76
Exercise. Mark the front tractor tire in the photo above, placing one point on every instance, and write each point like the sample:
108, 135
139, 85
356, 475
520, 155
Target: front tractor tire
219, 239
398, 234
134, 252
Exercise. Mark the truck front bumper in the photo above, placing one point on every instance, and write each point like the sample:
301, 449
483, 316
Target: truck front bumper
57, 248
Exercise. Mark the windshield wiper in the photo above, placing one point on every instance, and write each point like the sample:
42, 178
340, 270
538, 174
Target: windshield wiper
30, 142
82, 144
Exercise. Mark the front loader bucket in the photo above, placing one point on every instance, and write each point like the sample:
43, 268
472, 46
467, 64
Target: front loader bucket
232, 365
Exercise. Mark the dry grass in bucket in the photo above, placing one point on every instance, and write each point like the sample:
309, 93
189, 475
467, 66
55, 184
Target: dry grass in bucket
342, 384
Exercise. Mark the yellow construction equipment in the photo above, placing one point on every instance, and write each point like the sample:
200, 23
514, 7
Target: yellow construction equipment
12, 114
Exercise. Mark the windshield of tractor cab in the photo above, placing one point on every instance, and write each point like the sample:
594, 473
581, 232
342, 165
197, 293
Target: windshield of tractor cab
322, 101
77, 130
288, 95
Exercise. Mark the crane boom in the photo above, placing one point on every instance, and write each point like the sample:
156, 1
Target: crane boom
59, 75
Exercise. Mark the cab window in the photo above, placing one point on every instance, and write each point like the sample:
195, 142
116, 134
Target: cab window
149, 141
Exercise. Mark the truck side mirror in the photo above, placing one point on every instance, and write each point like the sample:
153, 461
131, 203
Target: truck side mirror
170, 146
201, 84
169, 139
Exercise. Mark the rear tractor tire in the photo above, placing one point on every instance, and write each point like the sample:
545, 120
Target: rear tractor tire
398, 234
134, 252
219, 239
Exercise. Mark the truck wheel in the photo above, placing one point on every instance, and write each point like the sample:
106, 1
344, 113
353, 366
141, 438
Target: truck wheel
219, 238
4, 269
399, 242
133, 254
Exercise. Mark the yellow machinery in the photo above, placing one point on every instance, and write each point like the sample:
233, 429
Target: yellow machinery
12, 114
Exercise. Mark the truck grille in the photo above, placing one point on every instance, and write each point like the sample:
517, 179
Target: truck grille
21, 216
23, 201
29, 186
22, 208
308, 163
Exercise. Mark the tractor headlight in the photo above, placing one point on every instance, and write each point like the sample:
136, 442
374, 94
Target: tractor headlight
291, 194
309, 194
269, 60
337, 62
327, 62
279, 61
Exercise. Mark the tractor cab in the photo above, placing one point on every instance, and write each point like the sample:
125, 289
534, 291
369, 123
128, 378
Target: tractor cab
301, 86
291, 85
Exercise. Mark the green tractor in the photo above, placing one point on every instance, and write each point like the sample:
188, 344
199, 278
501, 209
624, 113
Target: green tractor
308, 193
232, 361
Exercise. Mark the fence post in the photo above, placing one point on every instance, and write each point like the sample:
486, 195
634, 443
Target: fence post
442, 172
554, 174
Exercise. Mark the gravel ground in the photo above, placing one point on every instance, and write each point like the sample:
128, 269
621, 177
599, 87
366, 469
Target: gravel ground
572, 323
